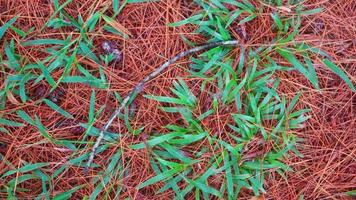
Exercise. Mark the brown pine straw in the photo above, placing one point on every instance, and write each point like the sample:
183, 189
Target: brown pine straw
328, 167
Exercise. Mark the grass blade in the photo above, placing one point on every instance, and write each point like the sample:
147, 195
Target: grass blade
7, 122
165, 175
26, 168
337, 70
7, 25
298, 66
58, 109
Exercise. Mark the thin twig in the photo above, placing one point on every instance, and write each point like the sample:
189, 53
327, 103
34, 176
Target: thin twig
139, 87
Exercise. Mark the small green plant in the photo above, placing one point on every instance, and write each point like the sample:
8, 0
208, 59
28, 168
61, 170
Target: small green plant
256, 111
250, 91
62, 56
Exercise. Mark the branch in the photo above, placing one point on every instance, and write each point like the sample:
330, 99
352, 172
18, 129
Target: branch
139, 87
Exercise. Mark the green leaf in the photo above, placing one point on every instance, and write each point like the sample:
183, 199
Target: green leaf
4, 130
293, 102
9, 51
43, 131
7, 122
20, 179
176, 153
116, 26
67, 194
255, 165
92, 21
191, 19
298, 66
312, 12
204, 188
165, 99
40, 42
228, 175
337, 70
26, 168
277, 21
24, 116
92, 106
156, 140
160, 177
187, 139
82, 79
58, 109
111, 171
247, 19
351, 193
47, 74
233, 17
87, 52
7, 25
58, 23
241, 60
115, 5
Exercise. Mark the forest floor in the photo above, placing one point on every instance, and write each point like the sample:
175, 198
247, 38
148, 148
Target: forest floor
326, 169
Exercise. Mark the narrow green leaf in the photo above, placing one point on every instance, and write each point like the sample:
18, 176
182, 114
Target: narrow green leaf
228, 175
67, 194
40, 42
233, 17
92, 106
160, 177
312, 12
93, 20
298, 66
58, 109
165, 99
87, 52
204, 188
26, 168
188, 20
47, 74
4, 130
115, 5
277, 20
351, 193
7, 25
7, 122
43, 131
337, 70
82, 79
9, 51
176, 153
156, 140
24, 116
247, 19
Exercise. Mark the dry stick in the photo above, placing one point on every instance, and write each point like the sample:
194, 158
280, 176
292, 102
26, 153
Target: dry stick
139, 87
